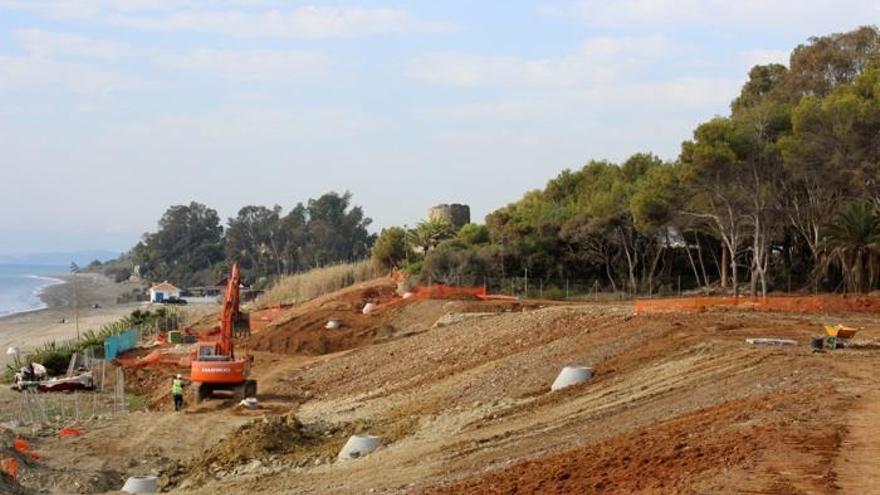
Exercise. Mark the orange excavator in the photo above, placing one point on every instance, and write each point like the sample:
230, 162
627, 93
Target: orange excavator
215, 366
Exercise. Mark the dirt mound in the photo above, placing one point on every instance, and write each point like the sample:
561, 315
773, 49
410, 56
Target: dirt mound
273, 444
305, 334
257, 441
301, 329
154, 383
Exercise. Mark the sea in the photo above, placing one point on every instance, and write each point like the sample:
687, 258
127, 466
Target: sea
21, 286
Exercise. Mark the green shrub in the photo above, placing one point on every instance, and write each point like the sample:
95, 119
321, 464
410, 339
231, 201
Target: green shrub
414, 268
56, 362
554, 294
55, 357
390, 248
473, 234
456, 263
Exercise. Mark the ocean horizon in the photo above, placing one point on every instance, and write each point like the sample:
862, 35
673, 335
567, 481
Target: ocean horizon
22, 285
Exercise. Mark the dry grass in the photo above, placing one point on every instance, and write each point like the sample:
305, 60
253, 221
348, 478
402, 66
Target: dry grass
319, 281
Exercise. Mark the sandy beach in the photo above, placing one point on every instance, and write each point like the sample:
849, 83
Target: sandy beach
28, 330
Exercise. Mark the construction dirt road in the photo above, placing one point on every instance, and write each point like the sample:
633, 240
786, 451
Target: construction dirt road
679, 404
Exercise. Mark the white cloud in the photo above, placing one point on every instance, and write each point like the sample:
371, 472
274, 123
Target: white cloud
692, 91
35, 74
240, 18
93, 9
41, 43
629, 99
251, 65
762, 56
824, 15
606, 90
596, 60
303, 22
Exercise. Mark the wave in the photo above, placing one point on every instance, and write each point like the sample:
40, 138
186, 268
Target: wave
33, 301
54, 280
50, 281
11, 312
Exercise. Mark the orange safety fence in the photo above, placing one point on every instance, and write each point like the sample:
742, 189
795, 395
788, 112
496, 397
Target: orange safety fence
440, 291
261, 318
456, 292
24, 448
449, 292
156, 357
792, 304
9, 465
68, 432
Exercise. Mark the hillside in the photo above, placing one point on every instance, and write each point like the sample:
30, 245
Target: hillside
679, 404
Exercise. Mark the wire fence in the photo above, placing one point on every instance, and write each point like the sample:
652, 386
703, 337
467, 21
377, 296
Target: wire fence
37, 409
571, 288
107, 397
600, 289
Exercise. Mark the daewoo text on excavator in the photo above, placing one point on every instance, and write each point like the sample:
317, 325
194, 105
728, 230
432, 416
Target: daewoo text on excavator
215, 366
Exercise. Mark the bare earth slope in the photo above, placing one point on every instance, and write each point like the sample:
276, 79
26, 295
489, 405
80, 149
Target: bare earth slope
679, 404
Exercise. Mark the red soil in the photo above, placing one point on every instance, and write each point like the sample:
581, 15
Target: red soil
300, 329
671, 457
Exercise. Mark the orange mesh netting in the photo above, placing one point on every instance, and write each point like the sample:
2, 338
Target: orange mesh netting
261, 318
69, 432
154, 358
23, 447
9, 465
450, 292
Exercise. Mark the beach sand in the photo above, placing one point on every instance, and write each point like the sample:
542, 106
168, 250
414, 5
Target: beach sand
29, 330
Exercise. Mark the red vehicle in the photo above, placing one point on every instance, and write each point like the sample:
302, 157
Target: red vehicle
215, 366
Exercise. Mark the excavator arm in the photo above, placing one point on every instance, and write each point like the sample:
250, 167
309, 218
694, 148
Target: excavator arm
230, 312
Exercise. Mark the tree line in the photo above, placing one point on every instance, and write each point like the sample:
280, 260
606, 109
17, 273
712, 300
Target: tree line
782, 193
192, 247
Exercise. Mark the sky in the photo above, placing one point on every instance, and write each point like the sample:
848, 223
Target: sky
112, 111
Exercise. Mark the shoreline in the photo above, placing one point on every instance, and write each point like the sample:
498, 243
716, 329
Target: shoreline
96, 295
53, 280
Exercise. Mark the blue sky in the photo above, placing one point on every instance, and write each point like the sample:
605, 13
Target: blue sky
110, 111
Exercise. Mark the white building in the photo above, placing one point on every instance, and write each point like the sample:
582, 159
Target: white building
163, 292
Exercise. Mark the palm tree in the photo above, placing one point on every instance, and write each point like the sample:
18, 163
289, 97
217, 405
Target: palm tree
853, 245
428, 234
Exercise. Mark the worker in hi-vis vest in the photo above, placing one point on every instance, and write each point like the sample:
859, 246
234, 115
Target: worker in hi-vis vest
177, 392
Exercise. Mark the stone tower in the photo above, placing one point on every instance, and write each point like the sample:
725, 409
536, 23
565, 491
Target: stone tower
457, 215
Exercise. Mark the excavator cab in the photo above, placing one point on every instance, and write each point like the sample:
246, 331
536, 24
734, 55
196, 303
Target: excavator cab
210, 352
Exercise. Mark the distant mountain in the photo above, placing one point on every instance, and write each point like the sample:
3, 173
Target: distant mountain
81, 258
